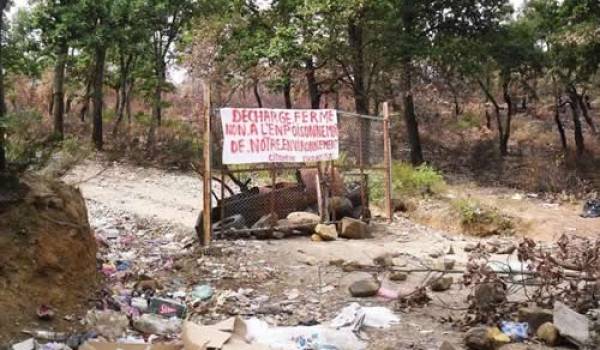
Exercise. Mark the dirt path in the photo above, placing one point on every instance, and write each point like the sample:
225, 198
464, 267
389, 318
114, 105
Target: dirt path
297, 278
150, 193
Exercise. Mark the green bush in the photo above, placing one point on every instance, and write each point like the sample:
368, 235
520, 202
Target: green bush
481, 220
468, 120
407, 181
27, 137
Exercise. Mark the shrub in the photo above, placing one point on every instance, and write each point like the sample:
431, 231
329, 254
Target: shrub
467, 120
480, 220
407, 181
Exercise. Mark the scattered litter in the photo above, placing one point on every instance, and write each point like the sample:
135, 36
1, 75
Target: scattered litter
375, 317
518, 331
154, 324
28, 344
167, 307
45, 312
202, 292
387, 293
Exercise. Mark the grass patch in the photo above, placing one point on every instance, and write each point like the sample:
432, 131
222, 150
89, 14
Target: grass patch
480, 220
408, 181
468, 120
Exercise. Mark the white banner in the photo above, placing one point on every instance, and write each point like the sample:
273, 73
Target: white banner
261, 135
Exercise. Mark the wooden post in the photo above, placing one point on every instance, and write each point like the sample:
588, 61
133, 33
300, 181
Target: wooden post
207, 183
387, 159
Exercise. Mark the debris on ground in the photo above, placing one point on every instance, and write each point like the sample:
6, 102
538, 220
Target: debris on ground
591, 209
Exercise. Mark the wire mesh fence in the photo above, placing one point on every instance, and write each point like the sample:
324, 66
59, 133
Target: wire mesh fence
255, 200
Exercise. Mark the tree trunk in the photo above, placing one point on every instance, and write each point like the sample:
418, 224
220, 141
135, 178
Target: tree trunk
502, 140
117, 98
68, 104
488, 119
559, 125
510, 111
257, 94
3, 162
410, 118
586, 114
578, 132
128, 100
287, 93
122, 92
58, 90
98, 96
313, 87
361, 98
157, 103
86, 98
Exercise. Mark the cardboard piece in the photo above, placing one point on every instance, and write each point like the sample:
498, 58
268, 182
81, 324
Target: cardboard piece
96, 345
227, 335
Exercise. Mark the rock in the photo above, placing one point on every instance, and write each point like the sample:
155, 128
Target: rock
316, 238
107, 323
487, 295
326, 232
398, 276
470, 247
442, 284
267, 221
306, 219
485, 338
400, 262
547, 333
478, 339
364, 288
535, 316
449, 264
354, 229
385, 260
154, 324
340, 207
571, 325
447, 346
518, 346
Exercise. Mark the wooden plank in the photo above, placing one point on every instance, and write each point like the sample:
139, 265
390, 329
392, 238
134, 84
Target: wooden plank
387, 160
207, 180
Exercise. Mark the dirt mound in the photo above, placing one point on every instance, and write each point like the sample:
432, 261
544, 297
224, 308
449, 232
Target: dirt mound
47, 256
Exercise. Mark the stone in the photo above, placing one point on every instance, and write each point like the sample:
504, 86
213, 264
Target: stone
449, 264
447, 346
571, 325
547, 333
354, 229
488, 295
303, 218
340, 207
266, 221
442, 284
385, 260
535, 316
400, 262
316, 238
326, 232
478, 338
470, 247
398, 276
107, 323
364, 288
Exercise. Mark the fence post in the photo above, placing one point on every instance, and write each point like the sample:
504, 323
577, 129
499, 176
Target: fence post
387, 159
207, 179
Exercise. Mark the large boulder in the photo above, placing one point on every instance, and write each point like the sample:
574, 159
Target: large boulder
326, 232
571, 324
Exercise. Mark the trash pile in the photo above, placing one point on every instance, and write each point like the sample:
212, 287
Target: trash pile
290, 208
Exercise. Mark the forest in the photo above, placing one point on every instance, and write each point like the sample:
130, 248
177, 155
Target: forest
91, 69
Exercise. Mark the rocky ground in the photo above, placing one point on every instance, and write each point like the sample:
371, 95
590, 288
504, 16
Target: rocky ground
143, 221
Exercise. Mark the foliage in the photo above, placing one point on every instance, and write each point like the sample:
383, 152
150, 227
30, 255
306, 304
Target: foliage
408, 180
481, 220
